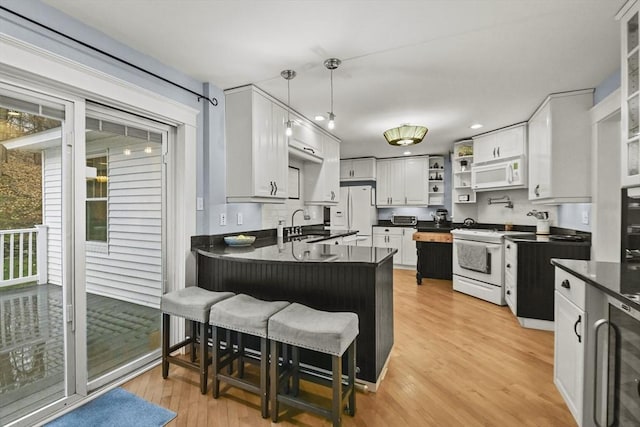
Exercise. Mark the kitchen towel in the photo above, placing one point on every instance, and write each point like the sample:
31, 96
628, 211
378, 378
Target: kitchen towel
473, 257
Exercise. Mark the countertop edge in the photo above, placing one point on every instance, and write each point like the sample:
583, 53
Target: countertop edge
558, 263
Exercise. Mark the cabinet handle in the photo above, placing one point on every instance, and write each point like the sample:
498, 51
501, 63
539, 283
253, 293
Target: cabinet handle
508, 246
508, 292
275, 184
494, 151
508, 265
271, 183
600, 323
498, 151
565, 284
309, 149
537, 190
405, 200
575, 327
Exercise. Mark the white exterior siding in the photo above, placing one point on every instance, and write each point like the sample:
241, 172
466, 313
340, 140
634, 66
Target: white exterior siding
52, 211
131, 268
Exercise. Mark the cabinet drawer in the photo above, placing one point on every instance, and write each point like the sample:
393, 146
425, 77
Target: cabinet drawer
571, 287
422, 236
389, 231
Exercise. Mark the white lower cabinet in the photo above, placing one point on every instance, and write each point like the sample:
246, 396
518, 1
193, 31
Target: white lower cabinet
568, 369
409, 251
389, 237
576, 307
400, 238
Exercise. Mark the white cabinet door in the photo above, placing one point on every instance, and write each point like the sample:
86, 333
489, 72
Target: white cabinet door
568, 364
397, 183
379, 241
416, 175
364, 169
365, 242
346, 167
279, 164
630, 85
511, 142
383, 185
409, 251
264, 152
389, 237
484, 148
331, 168
540, 154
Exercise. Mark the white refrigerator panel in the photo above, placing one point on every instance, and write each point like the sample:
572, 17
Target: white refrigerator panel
362, 213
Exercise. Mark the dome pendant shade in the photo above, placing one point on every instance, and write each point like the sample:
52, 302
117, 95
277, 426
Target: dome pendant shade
405, 135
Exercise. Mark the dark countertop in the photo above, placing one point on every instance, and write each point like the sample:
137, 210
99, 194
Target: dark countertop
622, 281
534, 238
300, 252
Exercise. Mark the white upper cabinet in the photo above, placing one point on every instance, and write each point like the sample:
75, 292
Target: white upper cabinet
306, 141
256, 147
630, 162
358, 169
402, 182
500, 144
322, 183
560, 149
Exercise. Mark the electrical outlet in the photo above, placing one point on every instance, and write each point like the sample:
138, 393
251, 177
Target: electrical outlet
223, 219
239, 217
585, 217
199, 204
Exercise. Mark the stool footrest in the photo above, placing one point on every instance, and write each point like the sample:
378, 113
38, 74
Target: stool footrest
240, 383
184, 363
304, 405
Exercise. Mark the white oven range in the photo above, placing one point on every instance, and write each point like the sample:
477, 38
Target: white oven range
478, 263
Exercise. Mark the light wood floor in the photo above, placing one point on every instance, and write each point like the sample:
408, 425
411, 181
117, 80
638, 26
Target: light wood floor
456, 361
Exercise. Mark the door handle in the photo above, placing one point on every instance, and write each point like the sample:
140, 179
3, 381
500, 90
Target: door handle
565, 284
575, 327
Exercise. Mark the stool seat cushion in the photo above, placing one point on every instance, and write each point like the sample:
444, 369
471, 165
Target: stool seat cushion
192, 303
246, 314
322, 331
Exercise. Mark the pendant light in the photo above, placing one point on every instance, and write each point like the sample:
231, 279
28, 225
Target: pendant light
405, 135
332, 64
288, 75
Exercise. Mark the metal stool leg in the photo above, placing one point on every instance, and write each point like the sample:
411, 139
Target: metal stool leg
336, 386
165, 344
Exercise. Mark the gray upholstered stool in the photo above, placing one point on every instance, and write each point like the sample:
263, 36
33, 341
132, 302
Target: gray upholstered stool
194, 304
321, 331
244, 315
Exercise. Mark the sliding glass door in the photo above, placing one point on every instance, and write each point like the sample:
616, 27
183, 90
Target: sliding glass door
37, 339
124, 255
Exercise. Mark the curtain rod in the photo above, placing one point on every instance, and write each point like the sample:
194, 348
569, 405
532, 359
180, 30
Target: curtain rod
213, 100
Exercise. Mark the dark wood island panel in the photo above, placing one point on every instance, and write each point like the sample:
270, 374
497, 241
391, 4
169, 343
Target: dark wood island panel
363, 288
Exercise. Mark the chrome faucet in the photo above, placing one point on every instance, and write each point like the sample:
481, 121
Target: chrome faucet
298, 230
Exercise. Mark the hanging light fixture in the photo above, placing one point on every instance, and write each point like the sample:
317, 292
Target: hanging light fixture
405, 135
288, 75
332, 64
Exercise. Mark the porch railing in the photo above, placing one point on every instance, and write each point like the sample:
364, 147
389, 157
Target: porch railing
23, 256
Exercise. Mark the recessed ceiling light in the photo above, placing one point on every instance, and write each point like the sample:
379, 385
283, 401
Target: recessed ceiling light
475, 126
319, 118
406, 153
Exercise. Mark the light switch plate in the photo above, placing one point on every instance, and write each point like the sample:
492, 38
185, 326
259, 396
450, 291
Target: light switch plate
223, 219
199, 203
585, 217
239, 218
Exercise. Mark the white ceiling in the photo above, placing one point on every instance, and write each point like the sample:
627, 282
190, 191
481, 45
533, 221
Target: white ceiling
444, 64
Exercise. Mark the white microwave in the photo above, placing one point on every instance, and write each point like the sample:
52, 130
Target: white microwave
507, 173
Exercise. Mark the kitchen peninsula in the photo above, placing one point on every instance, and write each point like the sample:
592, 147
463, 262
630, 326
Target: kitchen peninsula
322, 276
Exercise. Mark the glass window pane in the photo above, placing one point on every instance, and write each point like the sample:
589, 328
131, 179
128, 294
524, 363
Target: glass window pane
634, 110
632, 33
632, 158
97, 220
632, 71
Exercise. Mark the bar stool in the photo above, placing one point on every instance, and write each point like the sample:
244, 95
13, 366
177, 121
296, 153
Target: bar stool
242, 314
321, 331
194, 304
